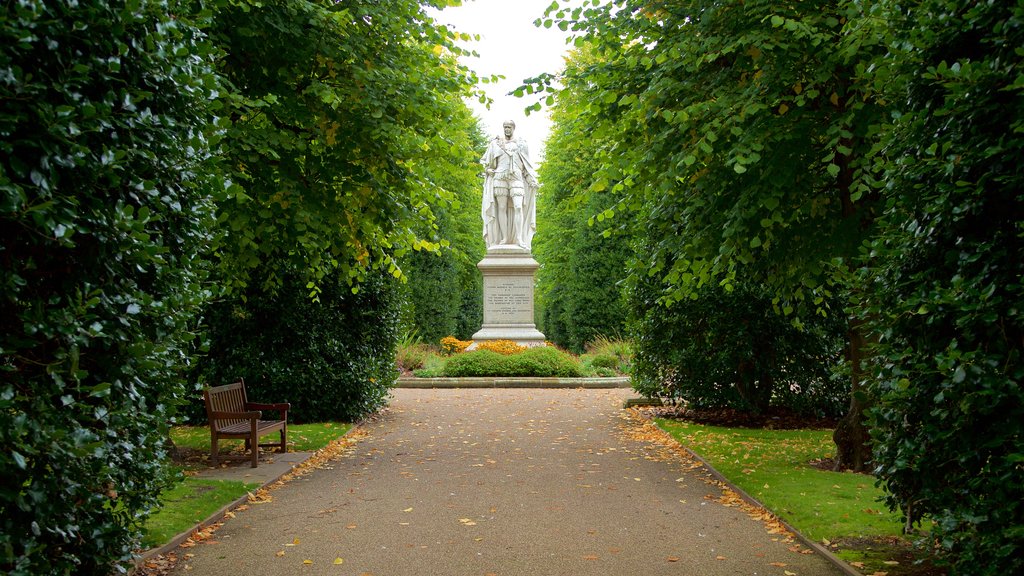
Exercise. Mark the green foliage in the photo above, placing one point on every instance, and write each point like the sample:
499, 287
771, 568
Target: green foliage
332, 359
445, 287
605, 361
105, 206
477, 363
537, 361
338, 134
946, 297
545, 361
414, 356
729, 349
578, 297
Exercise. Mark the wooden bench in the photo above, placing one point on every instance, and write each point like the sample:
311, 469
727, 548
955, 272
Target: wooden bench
231, 415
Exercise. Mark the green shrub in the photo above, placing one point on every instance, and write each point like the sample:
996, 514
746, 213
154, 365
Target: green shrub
477, 363
333, 359
545, 361
731, 350
604, 361
105, 208
538, 361
946, 299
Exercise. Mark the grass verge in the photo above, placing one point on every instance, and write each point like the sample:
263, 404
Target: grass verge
194, 499
188, 503
838, 509
301, 437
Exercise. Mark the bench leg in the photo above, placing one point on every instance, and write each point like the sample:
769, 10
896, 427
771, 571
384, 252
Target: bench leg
284, 439
213, 450
254, 444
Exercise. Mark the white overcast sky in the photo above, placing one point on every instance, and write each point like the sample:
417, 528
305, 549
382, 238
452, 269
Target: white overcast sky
510, 45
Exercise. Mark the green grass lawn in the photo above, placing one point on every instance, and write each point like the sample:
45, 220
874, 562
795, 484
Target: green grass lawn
837, 507
772, 466
301, 437
188, 503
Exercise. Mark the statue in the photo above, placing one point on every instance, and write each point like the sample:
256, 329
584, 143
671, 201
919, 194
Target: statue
510, 190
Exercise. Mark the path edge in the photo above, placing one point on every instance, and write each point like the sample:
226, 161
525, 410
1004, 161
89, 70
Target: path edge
837, 561
219, 515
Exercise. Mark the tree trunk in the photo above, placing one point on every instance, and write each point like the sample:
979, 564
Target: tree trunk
853, 450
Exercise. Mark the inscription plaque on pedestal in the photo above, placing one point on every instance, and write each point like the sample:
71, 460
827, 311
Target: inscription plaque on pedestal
508, 296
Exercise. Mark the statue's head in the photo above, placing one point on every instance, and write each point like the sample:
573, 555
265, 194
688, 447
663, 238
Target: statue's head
509, 127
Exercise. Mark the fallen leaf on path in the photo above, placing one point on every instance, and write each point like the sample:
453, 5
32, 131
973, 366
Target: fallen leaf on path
719, 557
279, 554
307, 561
351, 526
591, 557
788, 573
338, 561
778, 564
673, 558
407, 510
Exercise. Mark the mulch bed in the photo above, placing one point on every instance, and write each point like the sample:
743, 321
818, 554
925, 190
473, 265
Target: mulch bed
775, 418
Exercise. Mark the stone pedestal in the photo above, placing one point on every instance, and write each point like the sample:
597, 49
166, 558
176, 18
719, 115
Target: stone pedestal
508, 296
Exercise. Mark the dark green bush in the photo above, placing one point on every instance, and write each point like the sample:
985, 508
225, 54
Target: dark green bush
333, 359
104, 206
731, 350
946, 297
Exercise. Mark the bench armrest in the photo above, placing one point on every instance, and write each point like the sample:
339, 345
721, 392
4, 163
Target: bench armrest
259, 406
252, 415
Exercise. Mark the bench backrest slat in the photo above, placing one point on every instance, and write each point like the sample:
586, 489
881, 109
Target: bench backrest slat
227, 398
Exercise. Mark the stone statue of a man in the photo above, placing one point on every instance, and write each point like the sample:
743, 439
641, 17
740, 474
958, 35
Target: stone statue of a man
510, 191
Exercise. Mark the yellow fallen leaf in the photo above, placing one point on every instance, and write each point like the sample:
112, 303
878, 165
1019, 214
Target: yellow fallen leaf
788, 573
307, 561
351, 526
719, 557
338, 561
591, 557
295, 542
407, 510
673, 558
279, 554
778, 564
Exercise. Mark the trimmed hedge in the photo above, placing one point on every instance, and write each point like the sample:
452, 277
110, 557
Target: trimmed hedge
541, 361
105, 208
333, 359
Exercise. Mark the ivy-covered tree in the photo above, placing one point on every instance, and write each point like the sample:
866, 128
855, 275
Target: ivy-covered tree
738, 134
945, 297
106, 190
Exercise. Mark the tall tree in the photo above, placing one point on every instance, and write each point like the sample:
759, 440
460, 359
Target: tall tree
444, 286
582, 252
739, 134
333, 110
